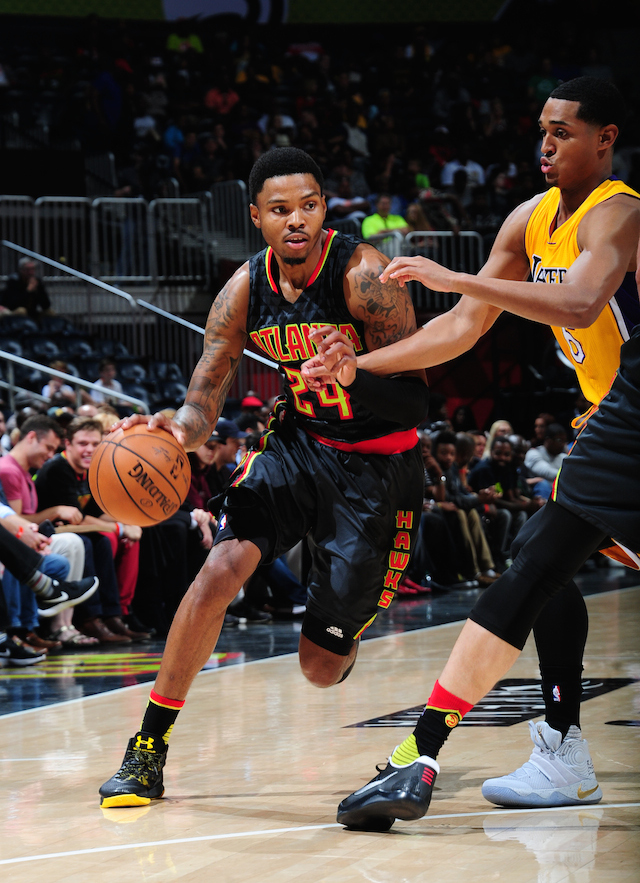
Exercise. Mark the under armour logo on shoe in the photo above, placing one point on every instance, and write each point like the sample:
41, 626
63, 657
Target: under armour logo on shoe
335, 631
147, 743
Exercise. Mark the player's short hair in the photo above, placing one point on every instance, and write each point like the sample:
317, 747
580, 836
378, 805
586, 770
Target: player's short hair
601, 103
279, 162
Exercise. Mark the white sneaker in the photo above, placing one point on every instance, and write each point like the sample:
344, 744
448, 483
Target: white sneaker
558, 773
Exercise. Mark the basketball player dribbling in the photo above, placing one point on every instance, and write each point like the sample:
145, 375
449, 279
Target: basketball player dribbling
342, 469
582, 237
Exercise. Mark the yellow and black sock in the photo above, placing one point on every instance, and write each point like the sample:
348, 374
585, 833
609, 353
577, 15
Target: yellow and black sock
443, 712
160, 715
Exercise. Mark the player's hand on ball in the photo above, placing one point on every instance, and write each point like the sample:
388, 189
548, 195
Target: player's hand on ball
153, 421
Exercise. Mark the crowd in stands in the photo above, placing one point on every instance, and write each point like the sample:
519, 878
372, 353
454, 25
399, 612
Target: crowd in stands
480, 488
442, 125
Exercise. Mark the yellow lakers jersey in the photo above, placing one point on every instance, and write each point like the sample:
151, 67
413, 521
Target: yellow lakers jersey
594, 351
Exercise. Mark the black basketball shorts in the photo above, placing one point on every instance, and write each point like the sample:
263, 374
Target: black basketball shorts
359, 512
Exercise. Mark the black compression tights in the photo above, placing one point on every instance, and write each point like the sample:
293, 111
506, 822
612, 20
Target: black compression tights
550, 549
538, 591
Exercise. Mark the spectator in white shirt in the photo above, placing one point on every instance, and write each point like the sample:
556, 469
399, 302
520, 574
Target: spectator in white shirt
106, 382
545, 460
475, 173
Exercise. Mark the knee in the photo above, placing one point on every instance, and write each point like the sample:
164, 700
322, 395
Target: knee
320, 675
321, 667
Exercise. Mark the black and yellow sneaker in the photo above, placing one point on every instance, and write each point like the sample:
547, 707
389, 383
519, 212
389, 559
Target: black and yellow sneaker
397, 792
139, 779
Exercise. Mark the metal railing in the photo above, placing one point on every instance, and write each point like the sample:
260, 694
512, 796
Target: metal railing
79, 384
61, 229
390, 244
149, 337
122, 247
181, 240
457, 251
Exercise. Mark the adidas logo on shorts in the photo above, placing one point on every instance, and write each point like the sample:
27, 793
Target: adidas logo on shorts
335, 631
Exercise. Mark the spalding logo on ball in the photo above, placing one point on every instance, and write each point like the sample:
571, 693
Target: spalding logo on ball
140, 476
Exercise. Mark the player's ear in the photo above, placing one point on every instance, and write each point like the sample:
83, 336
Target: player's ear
255, 215
608, 135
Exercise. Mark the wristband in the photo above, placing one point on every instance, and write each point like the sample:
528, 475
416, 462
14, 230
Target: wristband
119, 529
20, 531
399, 399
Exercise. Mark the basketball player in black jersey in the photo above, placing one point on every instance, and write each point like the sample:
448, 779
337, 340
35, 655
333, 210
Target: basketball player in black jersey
341, 469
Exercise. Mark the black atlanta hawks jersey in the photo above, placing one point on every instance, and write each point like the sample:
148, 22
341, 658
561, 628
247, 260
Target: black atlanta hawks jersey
281, 329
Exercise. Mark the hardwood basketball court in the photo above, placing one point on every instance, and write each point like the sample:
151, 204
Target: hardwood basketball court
259, 761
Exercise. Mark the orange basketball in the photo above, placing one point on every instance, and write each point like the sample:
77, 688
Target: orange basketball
139, 476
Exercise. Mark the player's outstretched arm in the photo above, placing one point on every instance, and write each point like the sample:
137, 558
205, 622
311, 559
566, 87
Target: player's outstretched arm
607, 238
452, 333
224, 340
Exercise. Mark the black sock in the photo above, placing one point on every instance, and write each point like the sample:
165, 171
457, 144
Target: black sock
443, 712
562, 692
160, 715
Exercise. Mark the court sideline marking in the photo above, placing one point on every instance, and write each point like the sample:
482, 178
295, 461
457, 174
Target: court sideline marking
258, 833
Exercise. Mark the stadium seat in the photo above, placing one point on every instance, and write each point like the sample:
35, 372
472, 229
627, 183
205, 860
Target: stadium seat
80, 349
132, 372
171, 394
18, 326
43, 349
137, 391
9, 345
164, 371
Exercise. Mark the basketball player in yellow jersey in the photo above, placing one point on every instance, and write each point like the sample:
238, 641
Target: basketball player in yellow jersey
581, 237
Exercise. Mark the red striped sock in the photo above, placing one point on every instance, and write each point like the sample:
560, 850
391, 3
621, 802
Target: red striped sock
160, 715
443, 712
442, 700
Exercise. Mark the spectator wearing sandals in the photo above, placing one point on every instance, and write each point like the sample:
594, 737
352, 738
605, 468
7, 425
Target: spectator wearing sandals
22, 552
38, 441
111, 549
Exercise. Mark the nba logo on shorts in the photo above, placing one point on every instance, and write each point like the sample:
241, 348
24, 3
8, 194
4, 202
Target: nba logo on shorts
223, 522
556, 693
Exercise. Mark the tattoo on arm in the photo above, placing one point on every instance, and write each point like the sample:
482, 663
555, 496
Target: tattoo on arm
385, 309
213, 375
